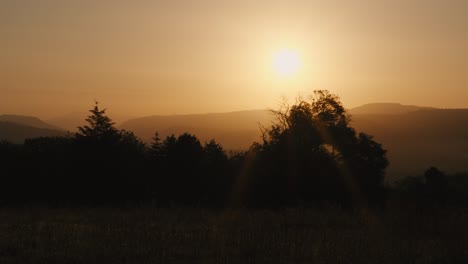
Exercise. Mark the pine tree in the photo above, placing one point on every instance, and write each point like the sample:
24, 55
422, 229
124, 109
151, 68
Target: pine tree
100, 127
156, 147
214, 152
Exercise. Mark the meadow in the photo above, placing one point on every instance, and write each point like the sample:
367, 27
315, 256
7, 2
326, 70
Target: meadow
195, 235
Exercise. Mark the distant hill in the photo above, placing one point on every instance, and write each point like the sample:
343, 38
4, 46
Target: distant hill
70, 121
415, 137
27, 121
386, 108
17, 133
16, 128
418, 139
236, 130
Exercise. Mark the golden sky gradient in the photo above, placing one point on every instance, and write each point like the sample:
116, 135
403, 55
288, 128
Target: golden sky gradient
196, 56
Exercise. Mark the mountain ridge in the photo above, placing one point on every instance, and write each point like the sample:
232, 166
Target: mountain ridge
31, 121
387, 108
17, 133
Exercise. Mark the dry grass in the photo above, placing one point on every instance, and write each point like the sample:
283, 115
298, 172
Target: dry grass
148, 235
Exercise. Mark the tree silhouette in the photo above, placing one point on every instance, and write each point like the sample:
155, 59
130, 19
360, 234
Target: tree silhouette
434, 187
214, 152
101, 130
436, 183
312, 153
216, 176
100, 127
155, 149
110, 162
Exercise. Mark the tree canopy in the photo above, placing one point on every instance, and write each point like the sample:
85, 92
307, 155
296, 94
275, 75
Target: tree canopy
311, 152
100, 126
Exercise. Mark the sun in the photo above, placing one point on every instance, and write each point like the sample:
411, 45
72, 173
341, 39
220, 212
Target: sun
286, 62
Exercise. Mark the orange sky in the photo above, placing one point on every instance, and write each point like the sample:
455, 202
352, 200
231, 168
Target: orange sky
166, 57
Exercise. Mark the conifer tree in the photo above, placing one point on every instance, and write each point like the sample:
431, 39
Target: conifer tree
156, 147
99, 127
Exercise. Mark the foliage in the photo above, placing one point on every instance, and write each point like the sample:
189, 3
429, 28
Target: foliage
100, 126
312, 153
434, 188
310, 156
101, 131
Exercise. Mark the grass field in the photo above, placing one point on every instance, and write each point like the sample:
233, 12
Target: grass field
149, 235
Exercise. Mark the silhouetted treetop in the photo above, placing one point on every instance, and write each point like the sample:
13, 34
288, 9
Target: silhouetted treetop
313, 144
100, 137
214, 152
328, 109
99, 125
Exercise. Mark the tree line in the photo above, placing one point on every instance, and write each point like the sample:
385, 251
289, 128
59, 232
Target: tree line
310, 155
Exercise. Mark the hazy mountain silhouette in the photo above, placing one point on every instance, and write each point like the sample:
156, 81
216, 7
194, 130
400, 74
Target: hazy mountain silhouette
27, 121
69, 121
386, 108
235, 130
17, 133
416, 137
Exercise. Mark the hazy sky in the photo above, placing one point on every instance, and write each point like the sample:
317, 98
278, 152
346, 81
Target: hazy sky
195, 56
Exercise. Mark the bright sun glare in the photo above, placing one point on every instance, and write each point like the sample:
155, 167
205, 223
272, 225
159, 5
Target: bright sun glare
286, 62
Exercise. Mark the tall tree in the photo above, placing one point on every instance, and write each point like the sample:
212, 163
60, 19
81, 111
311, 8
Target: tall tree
214, 152
100, 126
156, 147
312, 152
